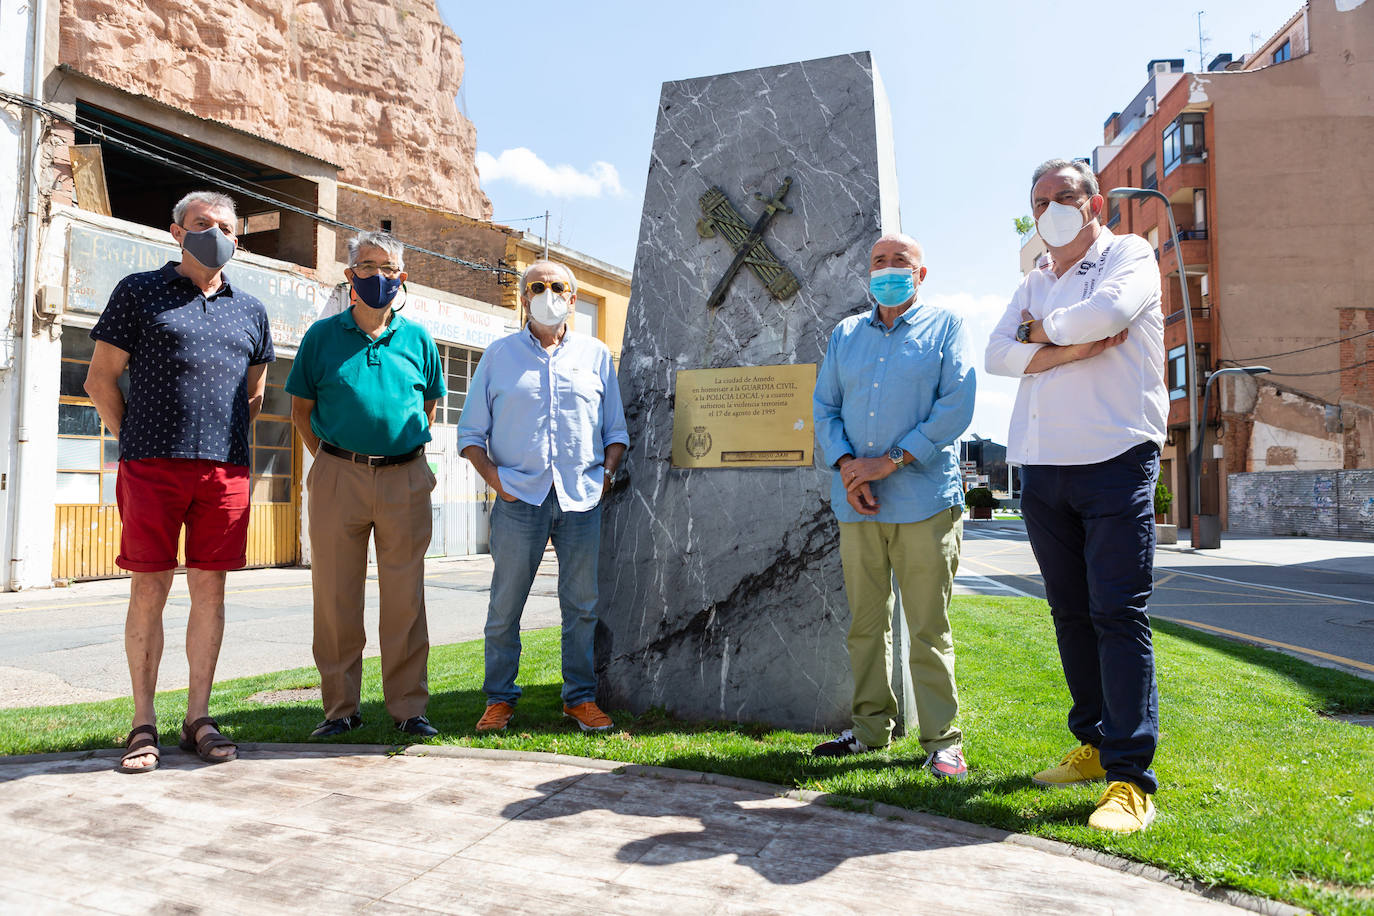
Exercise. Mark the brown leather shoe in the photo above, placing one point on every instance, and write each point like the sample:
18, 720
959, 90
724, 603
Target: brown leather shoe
589, 717
497, 717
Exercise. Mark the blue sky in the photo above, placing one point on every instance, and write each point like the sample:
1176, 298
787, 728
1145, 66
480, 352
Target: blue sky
564, 96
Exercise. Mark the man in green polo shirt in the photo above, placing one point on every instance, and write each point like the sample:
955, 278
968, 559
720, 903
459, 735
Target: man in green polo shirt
363, 390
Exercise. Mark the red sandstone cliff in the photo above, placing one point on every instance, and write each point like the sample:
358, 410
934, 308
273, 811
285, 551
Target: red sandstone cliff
366, 84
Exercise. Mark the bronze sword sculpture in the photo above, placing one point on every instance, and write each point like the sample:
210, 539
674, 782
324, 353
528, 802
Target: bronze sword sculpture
719, 216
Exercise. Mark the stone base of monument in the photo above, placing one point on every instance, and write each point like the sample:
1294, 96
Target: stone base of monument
722, 596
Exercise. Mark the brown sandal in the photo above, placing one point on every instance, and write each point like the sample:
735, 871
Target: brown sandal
210, 742
140, 747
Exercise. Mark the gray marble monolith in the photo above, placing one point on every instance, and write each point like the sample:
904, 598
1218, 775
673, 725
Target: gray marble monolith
722, 595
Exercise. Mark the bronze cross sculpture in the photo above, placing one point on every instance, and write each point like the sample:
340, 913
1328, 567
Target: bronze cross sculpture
747, 242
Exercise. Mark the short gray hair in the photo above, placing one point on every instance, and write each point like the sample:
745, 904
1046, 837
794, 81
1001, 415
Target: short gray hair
395, 251
1087, 181
214, 198
563, 267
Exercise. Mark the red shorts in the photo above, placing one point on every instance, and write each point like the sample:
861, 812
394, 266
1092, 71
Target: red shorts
156, 496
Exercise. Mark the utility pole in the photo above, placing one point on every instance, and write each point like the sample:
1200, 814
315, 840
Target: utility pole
546, 235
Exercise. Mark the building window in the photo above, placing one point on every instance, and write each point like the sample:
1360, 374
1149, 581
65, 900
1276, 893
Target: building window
459, 365
1148, 179
1178, 374
588, 320
87, 452
1285, 51
1113, 212
271, 439
1183, 142
1152, 236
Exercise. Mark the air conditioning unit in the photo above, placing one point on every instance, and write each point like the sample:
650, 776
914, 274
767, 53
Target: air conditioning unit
1204, 284
1161, 66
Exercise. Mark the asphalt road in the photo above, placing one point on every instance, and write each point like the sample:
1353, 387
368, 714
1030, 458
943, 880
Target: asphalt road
67, 645
1312, 599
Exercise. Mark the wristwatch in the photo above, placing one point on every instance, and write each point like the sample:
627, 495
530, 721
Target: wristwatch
897, 456
1023, 332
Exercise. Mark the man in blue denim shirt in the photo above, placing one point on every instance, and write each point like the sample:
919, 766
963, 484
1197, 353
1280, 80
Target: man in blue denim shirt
894, 393
544, 427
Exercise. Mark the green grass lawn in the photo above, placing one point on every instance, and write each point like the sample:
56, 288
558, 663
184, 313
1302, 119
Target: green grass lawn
1260, 789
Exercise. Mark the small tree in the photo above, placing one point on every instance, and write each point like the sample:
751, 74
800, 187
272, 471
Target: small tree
1163, 498
1024, 225
980, 498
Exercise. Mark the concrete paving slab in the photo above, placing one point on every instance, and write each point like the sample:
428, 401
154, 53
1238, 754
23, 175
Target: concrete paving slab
306, 829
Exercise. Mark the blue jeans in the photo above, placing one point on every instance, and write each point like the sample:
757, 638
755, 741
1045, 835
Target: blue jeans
519, 532
1092, 530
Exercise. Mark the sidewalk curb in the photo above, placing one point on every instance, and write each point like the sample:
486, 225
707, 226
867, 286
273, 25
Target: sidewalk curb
650, 771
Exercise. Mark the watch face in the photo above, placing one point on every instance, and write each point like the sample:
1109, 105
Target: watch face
896, 455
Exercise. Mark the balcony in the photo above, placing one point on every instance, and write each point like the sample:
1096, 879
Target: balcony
1196, 253
1178, 184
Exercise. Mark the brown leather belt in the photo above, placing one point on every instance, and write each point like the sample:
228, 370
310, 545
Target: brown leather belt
372, 461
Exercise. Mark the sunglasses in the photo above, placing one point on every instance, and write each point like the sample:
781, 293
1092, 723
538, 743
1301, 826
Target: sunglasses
537, 287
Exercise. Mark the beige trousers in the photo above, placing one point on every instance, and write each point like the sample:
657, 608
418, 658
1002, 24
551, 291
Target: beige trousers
924, 556
348, 502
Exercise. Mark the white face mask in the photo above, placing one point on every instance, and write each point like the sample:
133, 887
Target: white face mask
549, 309
1060, 224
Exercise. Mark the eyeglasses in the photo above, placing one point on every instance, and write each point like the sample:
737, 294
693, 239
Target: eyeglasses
537, 287
366, 269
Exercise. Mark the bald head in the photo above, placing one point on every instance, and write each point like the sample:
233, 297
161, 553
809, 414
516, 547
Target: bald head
897, 249
898, 241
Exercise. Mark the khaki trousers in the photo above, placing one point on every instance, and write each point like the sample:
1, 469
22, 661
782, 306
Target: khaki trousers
348, 502
924, 556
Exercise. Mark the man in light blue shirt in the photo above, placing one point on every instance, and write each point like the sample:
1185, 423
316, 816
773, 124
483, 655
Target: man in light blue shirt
544, 427
893, 395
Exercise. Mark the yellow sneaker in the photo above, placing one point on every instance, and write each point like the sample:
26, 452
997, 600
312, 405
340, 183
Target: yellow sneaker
1123, 808
1082, 764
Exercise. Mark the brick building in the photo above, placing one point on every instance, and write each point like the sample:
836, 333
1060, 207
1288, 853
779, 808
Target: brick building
1264, 161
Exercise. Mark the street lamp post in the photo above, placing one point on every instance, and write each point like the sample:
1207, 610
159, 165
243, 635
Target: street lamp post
1207, 534
1190, 362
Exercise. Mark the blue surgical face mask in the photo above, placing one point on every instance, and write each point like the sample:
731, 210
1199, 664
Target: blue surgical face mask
376, 291
892, 286
210, 247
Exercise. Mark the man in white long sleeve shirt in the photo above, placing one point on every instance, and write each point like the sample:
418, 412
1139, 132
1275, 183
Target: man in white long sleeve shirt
1086, 337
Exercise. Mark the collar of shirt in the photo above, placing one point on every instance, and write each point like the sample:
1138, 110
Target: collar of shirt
395, 324
533, 341
1088, 260
908, 316
169, 273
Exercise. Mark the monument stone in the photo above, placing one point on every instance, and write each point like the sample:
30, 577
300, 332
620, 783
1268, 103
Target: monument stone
721, 589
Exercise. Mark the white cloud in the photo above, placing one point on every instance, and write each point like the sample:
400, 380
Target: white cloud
523, 167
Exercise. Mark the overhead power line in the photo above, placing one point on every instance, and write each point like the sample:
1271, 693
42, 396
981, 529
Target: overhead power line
1303, 375
233, 185
1328, 343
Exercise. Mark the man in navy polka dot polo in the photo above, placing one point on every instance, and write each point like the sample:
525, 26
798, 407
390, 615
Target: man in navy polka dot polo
197, 350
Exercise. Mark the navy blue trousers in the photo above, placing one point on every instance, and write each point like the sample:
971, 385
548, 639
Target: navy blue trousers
1092, 530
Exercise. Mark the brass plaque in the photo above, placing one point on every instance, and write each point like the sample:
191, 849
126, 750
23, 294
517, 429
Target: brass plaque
745, 417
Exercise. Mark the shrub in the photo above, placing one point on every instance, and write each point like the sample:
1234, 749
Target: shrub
980, 498
1163, 498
